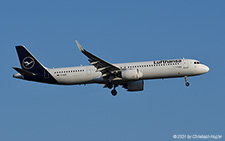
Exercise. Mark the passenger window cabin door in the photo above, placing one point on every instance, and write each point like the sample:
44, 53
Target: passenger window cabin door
185, 64
88, 71
46, 74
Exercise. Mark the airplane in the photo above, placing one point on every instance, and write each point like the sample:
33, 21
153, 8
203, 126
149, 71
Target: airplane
130, 76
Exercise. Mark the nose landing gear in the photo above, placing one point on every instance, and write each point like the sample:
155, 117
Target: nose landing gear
186, 81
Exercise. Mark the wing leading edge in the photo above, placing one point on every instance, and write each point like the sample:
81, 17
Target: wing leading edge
104, 67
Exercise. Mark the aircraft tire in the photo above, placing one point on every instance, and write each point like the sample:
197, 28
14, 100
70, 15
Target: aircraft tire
114, 92
187, 84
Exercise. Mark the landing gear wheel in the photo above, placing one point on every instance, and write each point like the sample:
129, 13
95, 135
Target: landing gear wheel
187, 84
114, 92
186, 80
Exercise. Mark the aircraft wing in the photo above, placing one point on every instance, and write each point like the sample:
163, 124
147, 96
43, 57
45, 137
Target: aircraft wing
104, 67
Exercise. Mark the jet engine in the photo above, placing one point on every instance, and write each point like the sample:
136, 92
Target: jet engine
134, 85
131, 74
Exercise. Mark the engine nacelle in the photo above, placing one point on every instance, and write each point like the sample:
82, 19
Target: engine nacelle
131, 74
135, 85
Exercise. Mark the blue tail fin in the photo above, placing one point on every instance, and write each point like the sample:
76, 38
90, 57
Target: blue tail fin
28, 61
32, 69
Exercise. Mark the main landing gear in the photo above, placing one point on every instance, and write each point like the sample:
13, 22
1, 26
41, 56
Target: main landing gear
114, 92
110, 86
186, 81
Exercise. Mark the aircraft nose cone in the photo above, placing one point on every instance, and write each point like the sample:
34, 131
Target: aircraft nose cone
206, 69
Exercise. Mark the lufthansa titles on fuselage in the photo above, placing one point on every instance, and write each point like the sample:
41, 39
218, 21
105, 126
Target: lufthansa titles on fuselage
167, 61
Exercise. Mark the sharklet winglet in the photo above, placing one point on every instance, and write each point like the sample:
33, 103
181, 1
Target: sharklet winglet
79, 46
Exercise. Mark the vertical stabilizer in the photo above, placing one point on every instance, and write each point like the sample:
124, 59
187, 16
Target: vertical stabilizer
32, 69
28, 61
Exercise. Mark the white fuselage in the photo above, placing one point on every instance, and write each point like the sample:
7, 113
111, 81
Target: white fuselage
130, 76
150, 70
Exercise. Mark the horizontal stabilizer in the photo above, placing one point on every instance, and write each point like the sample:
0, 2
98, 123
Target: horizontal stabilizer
24, 72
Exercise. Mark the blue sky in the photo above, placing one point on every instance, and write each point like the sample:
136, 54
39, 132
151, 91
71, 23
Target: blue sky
117, 31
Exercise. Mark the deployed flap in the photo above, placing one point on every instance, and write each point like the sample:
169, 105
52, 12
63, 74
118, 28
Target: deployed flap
103, 66
24, 72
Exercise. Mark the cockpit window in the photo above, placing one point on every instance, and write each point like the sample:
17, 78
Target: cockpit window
197, 63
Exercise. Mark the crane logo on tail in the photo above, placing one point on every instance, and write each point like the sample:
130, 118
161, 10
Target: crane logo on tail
28, 62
